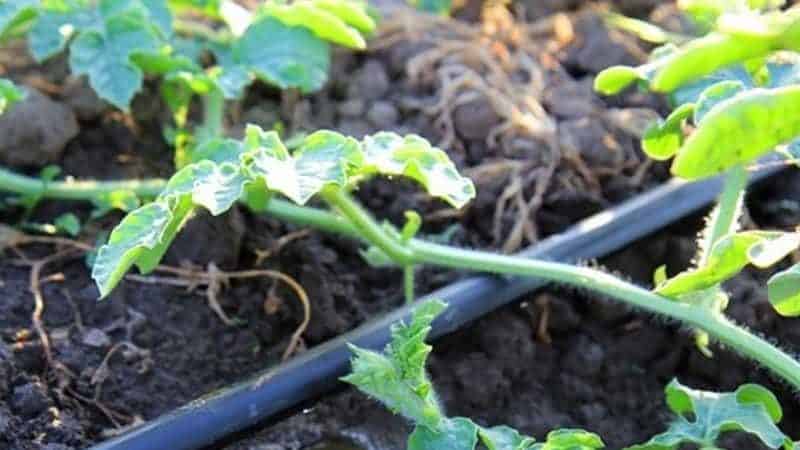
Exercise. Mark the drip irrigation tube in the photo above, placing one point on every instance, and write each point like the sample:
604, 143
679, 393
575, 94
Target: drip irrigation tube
208, 419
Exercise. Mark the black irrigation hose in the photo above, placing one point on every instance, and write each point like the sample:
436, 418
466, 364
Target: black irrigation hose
214, 416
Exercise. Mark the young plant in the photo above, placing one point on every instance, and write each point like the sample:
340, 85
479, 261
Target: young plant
398, 379
116, 43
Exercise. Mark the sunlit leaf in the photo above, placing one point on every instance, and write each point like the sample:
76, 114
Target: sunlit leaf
14, 13
324, 159
504, 438
715, 94
570, 439
453, 434
9, 94
784, 291
702, 417
281, 55
325, 24
729, 256
144, 235
414, 157
663, 139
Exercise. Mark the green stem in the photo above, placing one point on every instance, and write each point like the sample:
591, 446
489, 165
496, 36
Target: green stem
408, 282
725, 217
76, 190
367, 227
358, 224
213, 116
90, 190
420, 252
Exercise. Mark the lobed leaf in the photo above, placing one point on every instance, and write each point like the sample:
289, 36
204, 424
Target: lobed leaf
219, 172
729, 256
414, 157
327, 20
398, 379
504, 438
663, 139
144, 235
453, 434
324, 159
9, 94
570, 439
703, 416
784, 291
278, 54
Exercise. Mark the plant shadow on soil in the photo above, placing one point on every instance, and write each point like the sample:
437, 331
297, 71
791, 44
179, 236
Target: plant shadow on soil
604, 367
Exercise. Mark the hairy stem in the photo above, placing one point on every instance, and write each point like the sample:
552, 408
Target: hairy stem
359, 224
725, 217
714, 323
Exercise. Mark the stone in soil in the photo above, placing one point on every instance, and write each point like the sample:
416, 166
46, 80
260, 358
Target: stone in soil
35, 131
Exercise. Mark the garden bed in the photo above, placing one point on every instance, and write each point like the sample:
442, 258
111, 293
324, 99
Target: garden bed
151, 347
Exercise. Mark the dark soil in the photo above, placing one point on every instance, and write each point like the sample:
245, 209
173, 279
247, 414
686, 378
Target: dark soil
150, 347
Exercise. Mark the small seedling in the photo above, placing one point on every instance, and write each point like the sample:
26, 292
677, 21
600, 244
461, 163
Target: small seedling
398, 379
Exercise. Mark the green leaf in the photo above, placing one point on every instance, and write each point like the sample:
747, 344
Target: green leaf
715, 94
68, 223
324, 159
139, 231
663, 139
281, 55
352, 12
784, 291
729, 256
155, 11
414, 157
397, 378
209, 8
324, 23
143, 236
570, 439
9, 94
703, 416
55, 27
453, 434
106, 58
14, 13
614, 79
504, 438
122, 200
